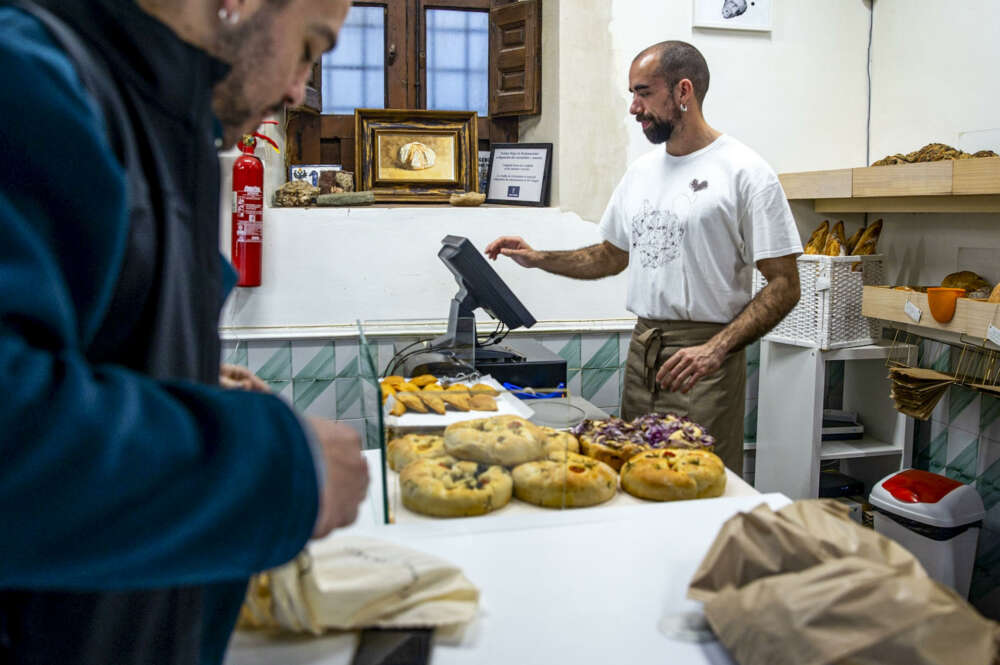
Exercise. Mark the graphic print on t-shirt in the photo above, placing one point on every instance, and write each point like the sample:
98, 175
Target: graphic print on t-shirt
657, 235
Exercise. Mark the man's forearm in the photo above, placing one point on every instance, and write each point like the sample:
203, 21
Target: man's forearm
591, 262
760, 315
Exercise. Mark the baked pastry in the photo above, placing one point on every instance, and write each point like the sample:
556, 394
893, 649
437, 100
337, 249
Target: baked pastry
838, 230
932, 152
433, 401
868, 242
564, 480
612, 441
556, 440
506, 440
852, 242
965, 279
834, 246
405, 449
411, 401
416, 156
423, 380
817, 241
459, 401
615, 441
673, 474
447, 487
673, 431
995, 294
483, 403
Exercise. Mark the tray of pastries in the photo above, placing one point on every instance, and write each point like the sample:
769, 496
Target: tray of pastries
483, 465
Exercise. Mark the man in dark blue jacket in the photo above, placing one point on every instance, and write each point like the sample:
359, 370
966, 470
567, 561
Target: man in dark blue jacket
136, 495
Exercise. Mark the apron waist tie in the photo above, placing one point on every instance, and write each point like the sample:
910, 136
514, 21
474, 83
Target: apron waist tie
651, 341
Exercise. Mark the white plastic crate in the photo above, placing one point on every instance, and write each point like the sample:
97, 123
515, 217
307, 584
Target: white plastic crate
828, 314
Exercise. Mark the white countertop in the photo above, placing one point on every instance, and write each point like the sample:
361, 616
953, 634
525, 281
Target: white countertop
584, 586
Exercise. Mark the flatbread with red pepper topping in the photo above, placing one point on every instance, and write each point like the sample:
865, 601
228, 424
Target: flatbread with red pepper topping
565, 480
505, 440
447, 487
673, 474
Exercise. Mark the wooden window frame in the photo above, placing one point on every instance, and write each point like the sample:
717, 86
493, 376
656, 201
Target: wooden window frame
317, 138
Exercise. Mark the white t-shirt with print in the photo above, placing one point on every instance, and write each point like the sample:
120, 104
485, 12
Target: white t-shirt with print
694, 227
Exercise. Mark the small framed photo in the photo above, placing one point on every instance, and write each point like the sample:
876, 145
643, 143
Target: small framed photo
310, 172
733, 14
416, 156
484, 170
519, 174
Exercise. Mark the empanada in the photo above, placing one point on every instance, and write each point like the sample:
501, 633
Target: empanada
411, 401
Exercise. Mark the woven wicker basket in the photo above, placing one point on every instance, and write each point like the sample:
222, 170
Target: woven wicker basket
828, 314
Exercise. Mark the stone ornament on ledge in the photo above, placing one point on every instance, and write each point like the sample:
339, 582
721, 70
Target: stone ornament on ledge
468, 199
294, 194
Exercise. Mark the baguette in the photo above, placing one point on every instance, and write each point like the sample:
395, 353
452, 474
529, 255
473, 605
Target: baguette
868, 242
838, 230
817, 241
834, 247
852, 242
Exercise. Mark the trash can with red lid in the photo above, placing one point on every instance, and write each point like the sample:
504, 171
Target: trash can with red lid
935, 517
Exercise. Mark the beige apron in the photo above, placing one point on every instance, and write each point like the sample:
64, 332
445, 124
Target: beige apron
716, 402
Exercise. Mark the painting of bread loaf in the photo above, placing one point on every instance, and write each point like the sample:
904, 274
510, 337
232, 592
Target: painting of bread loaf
409, 156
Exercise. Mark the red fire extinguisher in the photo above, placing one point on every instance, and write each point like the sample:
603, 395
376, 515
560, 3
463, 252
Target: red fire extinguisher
248, 210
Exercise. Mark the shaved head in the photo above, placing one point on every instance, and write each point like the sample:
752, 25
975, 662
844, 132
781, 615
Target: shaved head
679, 60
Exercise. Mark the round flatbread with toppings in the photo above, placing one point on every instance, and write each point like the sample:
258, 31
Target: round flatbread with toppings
505, 440
673, 474
556, 440
447, 487
612, 441
672, 431
405, 449
565, 480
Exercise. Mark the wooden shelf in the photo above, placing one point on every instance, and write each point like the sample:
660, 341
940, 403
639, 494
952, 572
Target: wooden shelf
965, 185
968, 326
871, 352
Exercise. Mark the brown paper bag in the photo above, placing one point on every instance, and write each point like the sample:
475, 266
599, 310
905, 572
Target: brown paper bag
808, 586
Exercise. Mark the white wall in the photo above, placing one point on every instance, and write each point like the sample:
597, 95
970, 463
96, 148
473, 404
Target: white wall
325, 268
927, 90
928, 87
796, 94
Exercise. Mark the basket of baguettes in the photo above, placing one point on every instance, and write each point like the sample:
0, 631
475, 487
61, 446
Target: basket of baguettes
833, 271
477, 466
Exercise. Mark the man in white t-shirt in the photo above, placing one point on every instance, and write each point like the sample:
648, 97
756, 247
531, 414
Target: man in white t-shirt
690, 222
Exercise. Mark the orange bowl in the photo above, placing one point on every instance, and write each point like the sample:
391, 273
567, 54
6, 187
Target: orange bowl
942, 302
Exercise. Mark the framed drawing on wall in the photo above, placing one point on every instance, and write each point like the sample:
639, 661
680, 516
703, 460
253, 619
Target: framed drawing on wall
733, 14
519, 173
416, 156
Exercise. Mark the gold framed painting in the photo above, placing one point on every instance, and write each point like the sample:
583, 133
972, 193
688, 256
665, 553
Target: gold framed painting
415, 156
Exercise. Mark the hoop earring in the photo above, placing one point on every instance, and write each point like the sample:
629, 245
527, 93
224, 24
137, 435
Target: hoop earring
684, 108
229, 17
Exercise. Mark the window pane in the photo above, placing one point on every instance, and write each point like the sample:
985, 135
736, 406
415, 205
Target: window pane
457, 55
354, 73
